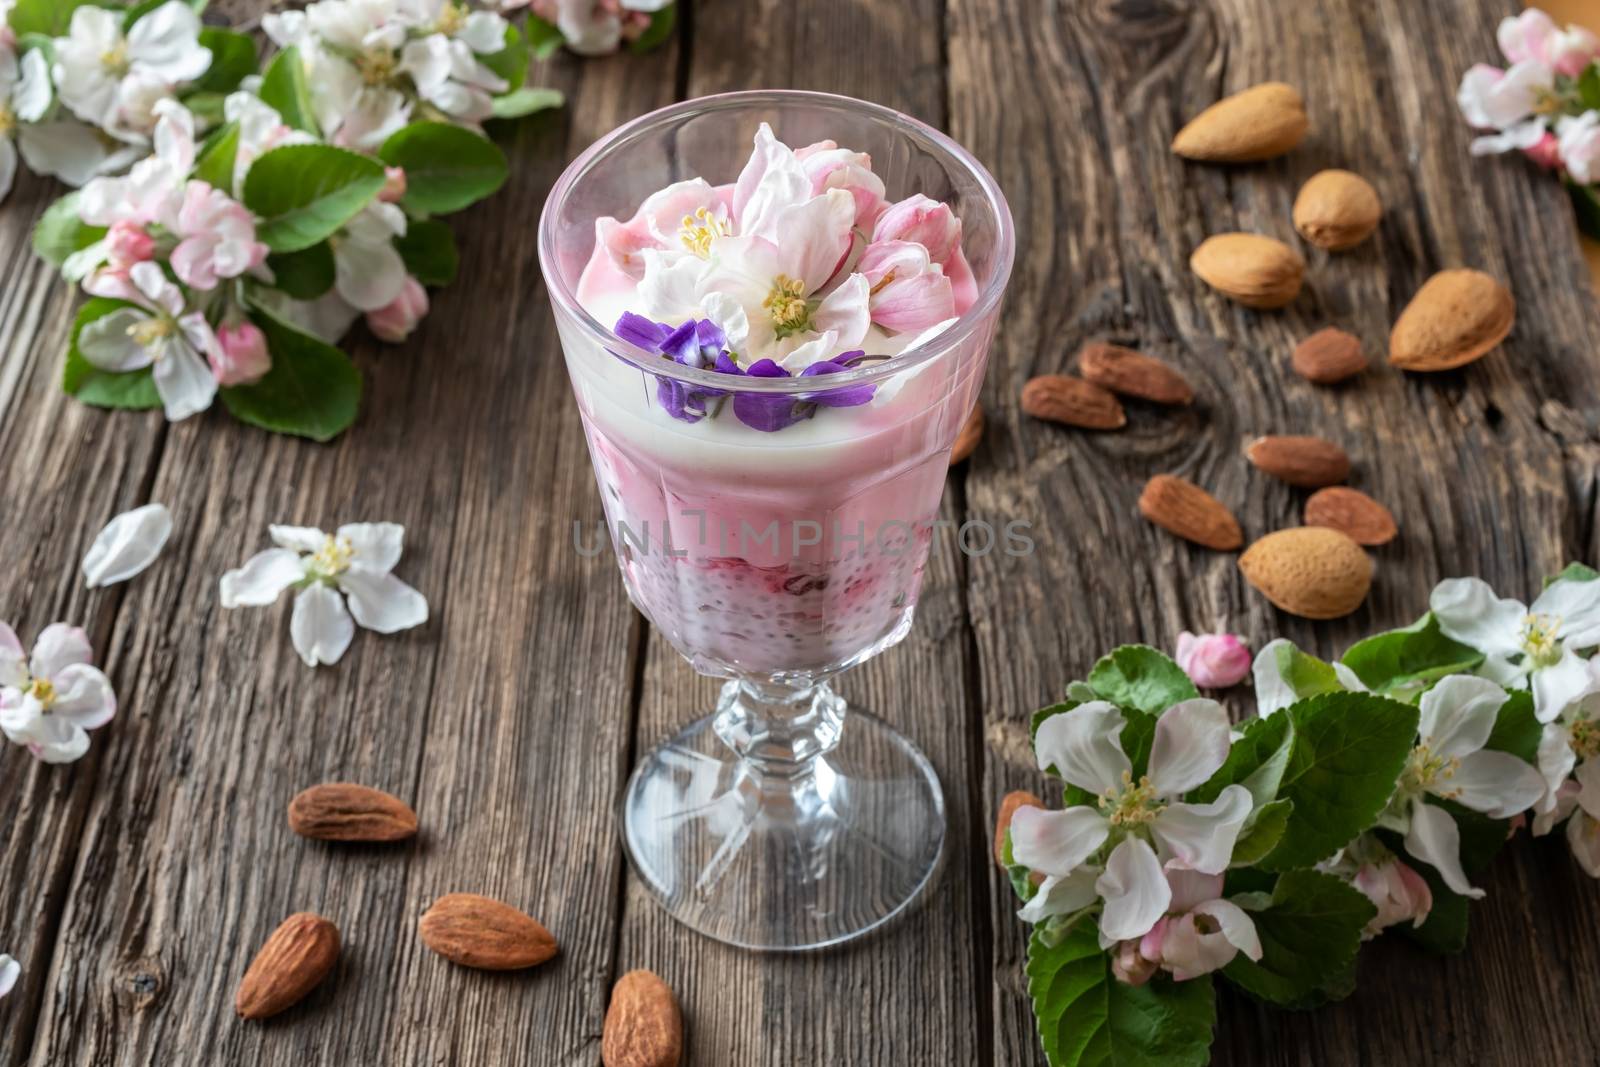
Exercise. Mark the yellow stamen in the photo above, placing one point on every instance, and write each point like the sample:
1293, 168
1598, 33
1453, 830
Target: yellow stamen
115, 61
1584, 736
377, 66
44, 691
1130, 805
699, 230
787, 303
452, 20
1541, 638
333, 558
1427, 773
8, 121
151, 332
883, 282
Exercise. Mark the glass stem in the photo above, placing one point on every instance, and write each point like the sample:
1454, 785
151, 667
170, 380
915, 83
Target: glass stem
779, 729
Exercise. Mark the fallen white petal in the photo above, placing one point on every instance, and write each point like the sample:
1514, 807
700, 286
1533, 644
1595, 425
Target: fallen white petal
128, 544
9, 970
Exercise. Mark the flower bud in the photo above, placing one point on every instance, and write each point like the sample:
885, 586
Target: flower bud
1130, 966
394, 185
241, 356
1399, 893
127, 243
927, 222
1213, 661
395, 322
1546, 153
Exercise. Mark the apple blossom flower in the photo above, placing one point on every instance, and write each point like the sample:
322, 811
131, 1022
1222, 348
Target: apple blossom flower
1534, 35
1450, 763
217, 238
1201, 931
1578, 146
935, 227
157, 332
1571, 738
686, 214
1213, 661
241, 356
908, 290
1146, 827
10, 970
1524, 646
1398, 892
396, 321
832, 167
351, 53
49, 700
128, 544
355, 560
149, 194
111, 80
24, 98
1578, 804
128, 243
369, 273
1495, 99
449, 76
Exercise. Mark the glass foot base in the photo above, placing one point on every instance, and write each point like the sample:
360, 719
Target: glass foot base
778, 856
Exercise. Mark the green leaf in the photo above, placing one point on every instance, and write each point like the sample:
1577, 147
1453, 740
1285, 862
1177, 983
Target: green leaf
1262, 832
312, 390
48, 17
526, 101
1586, 208
1302, 673
1516, 730
1575, 572
284, 89
447, 167
60, 232
1309, 935
662, 23
233, 58
306, 274
1349, 750
1256, 760
90, 384
1140, 677
511, 62
1020, 877
304, 193
1408, 659
543, 37
1444, 931
208, 108
214, 164
429, 249
1589, 87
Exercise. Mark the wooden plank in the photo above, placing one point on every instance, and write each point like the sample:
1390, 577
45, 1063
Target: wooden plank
504, 718
914, 994
1490, 470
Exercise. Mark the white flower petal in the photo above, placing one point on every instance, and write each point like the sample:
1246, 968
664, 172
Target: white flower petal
320, 626
1056, 843
84, 696
10, 969
1061, 896
1588, 778
1237, 926
1084, 746
128, 544
1496, 783
298, 538
1557, 686
166, 43
1191, 889
377, 545
51, 738
263, 577
107, 344
1349, 678
1191, 744
59, 646
1583, 837
1457, 715
1435, 840
1556, 760
183, 381
31, 98
13, 659
1273, 691
368, 274
1201, 837
1577, 605
1135, 891
381, 602
1469, 611
8, 166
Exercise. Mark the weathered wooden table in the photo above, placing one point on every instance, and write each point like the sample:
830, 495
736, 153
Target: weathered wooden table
136, 885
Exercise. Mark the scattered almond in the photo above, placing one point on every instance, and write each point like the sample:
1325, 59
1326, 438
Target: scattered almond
1366, 521
644, 1026
1310, 571
1183, 508
1328, 356
1021, 798
1256, 271
1336, 210
481, 932
1306, 462
297, 956
1073, 401
1259, 123
1122, 370
1456, 317
343, 811
970, 436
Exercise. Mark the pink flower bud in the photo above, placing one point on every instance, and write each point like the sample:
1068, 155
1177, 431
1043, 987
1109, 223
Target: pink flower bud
1547, 152
1129, 965
1399, 893
394, 185
1213, 661
241, 356
927, 222
127, 243
395, 322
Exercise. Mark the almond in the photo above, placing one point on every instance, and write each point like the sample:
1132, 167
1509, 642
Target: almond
969, 438
1330, 355
1306, 462
1310, 571
1183, 508
343, 811
481, 932
1021, 798
297, 956
1354, 512
1259, 123
1256, 271
1456, 317
1073, 401
644, 1027
1122, 370
1336, 210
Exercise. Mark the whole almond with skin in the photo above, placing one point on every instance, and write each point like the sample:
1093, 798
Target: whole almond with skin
1329, 356
297, 956
1310, 571
481, 932
344, 811
1122, 370
1181, 507
1073, 401
1304, 462
1259, 123
1020, 798
1256, 271
1337, 209
969, 438
644, 1026
1456, 317
1366, 521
